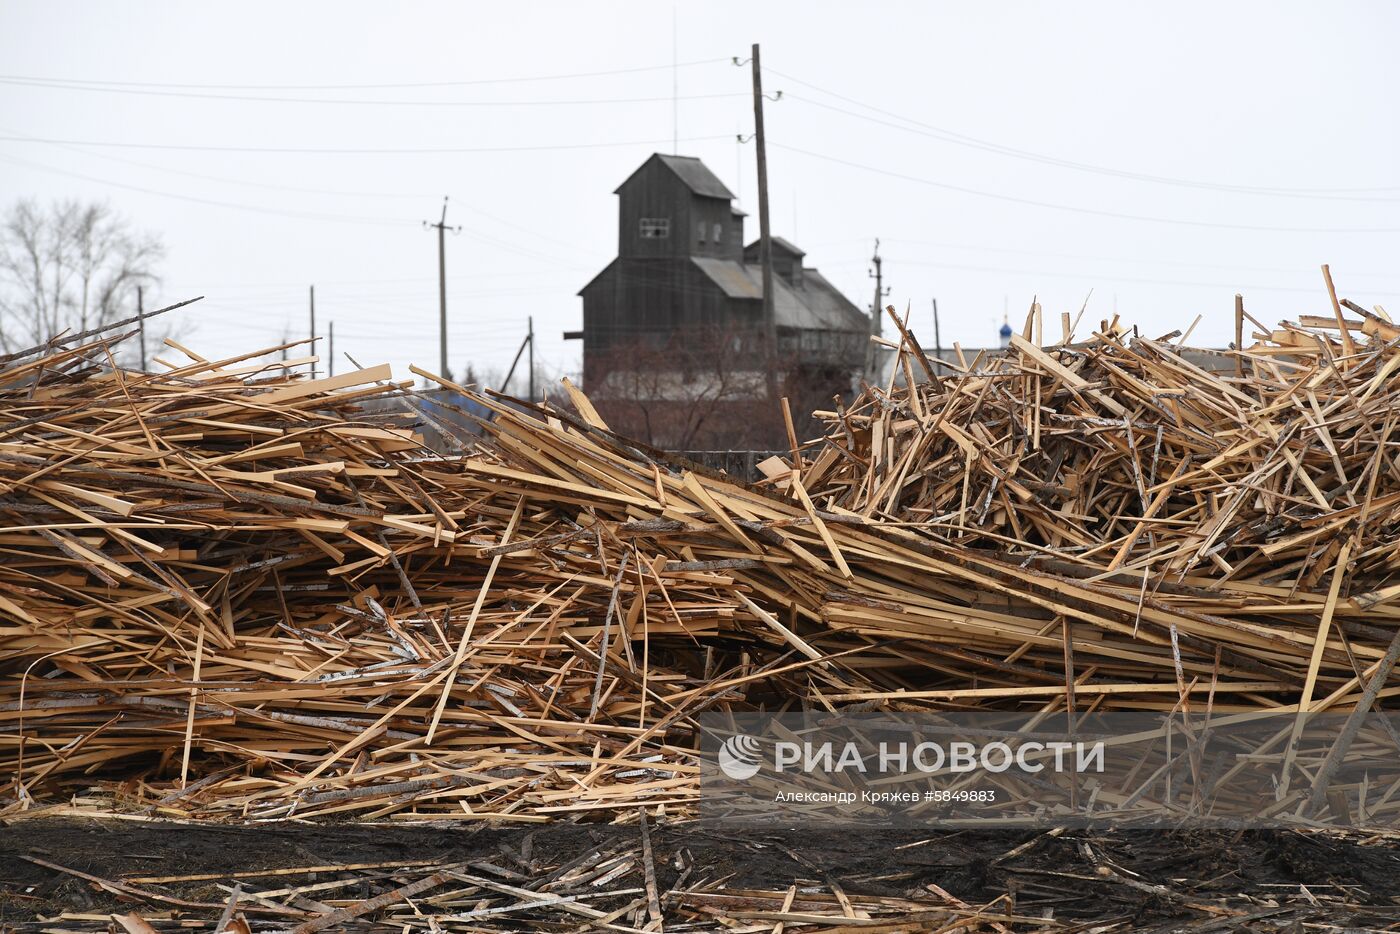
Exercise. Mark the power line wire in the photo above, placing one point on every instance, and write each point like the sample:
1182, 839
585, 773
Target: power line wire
378, 151
366, 102
1234, 287
1113, 173
367, 87
1098, 212
1310, 270
216, 178
962, 139
254, 309
303, 215
233, 181
354, 282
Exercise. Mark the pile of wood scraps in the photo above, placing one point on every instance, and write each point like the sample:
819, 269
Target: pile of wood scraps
227, 590
1151, 513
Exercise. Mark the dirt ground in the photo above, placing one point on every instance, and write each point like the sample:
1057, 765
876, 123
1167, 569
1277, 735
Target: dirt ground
1152, 880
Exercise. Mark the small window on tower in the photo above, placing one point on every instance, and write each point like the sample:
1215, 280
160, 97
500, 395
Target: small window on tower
719, 232
655, 228
702, 231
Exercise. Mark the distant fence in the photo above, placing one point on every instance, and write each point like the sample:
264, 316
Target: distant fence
741, 465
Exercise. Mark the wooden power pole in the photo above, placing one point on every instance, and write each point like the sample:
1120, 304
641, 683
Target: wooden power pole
765, 243
872, 355
442, 228
141, 325
937, 338
313, 329
531, 360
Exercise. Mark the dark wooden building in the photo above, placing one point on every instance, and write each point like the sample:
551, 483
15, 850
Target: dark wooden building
680, 310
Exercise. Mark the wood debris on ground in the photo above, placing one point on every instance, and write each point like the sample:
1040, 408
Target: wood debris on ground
227, 590
655, 877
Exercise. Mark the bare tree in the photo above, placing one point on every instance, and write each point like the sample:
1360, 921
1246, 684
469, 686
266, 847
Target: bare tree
71, 267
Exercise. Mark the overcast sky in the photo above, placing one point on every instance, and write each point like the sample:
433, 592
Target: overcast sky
1163, 156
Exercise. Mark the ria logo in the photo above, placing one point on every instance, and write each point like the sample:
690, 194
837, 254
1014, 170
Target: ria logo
739, 756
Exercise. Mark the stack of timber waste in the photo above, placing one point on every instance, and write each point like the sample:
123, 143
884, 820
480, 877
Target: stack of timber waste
226, 590
234, 592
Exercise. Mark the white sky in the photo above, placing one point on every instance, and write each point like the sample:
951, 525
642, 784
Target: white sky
1297, 97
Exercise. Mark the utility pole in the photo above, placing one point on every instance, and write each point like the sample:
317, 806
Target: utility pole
765, 243
141, 325
529, 341
675, 91
871, 356
937, 338
313, 329
531, 360
330, 351
442, 228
